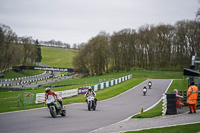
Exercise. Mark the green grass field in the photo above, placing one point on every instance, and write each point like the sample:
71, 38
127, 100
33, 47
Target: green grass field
57, 57
11, 74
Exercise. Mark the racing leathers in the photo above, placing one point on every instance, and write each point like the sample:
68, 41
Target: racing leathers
53, 94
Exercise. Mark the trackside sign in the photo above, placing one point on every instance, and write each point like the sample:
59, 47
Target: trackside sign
45, 68
40, 97
51, 69
69, 93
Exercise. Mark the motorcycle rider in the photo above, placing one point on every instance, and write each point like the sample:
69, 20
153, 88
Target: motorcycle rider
145, 89
150, 84
50, 92
90, 92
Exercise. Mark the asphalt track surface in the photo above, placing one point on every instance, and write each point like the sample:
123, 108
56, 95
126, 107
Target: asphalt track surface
78, 119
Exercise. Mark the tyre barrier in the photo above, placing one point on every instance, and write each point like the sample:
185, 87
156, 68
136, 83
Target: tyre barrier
5, 80
171, 103
164, 105
4, 85
25, 82
30, 81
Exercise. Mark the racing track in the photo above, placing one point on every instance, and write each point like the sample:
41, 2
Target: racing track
79, 119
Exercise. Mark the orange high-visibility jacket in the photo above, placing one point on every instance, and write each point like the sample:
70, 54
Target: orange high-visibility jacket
192, 94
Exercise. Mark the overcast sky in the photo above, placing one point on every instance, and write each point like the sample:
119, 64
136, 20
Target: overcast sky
77, 21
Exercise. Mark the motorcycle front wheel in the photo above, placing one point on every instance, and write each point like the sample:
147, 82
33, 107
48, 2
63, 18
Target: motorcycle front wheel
52, 112
89, 106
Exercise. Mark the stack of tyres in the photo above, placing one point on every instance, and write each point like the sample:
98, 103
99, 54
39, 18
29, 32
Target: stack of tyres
171, 104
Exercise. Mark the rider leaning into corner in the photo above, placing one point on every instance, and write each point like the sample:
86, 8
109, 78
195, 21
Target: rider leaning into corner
90, 92
50, 92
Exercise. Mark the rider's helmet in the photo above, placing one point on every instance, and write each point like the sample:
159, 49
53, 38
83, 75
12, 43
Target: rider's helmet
145, 86
47, 90
89, 89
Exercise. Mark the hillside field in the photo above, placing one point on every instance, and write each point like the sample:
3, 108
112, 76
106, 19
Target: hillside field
57, 57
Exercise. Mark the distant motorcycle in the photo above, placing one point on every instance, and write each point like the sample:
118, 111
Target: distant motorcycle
144, 91
54, 107
149, 84
91, 103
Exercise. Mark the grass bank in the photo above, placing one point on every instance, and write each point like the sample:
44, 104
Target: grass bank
12, 74
57, 57
190, 128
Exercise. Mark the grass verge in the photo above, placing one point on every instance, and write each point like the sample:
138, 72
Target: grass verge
190, 128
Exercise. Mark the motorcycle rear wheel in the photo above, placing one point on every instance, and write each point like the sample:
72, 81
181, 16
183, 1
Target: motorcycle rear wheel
94, 108
63, 113
149, 87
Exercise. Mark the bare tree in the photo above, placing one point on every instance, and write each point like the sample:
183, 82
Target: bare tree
8, 40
